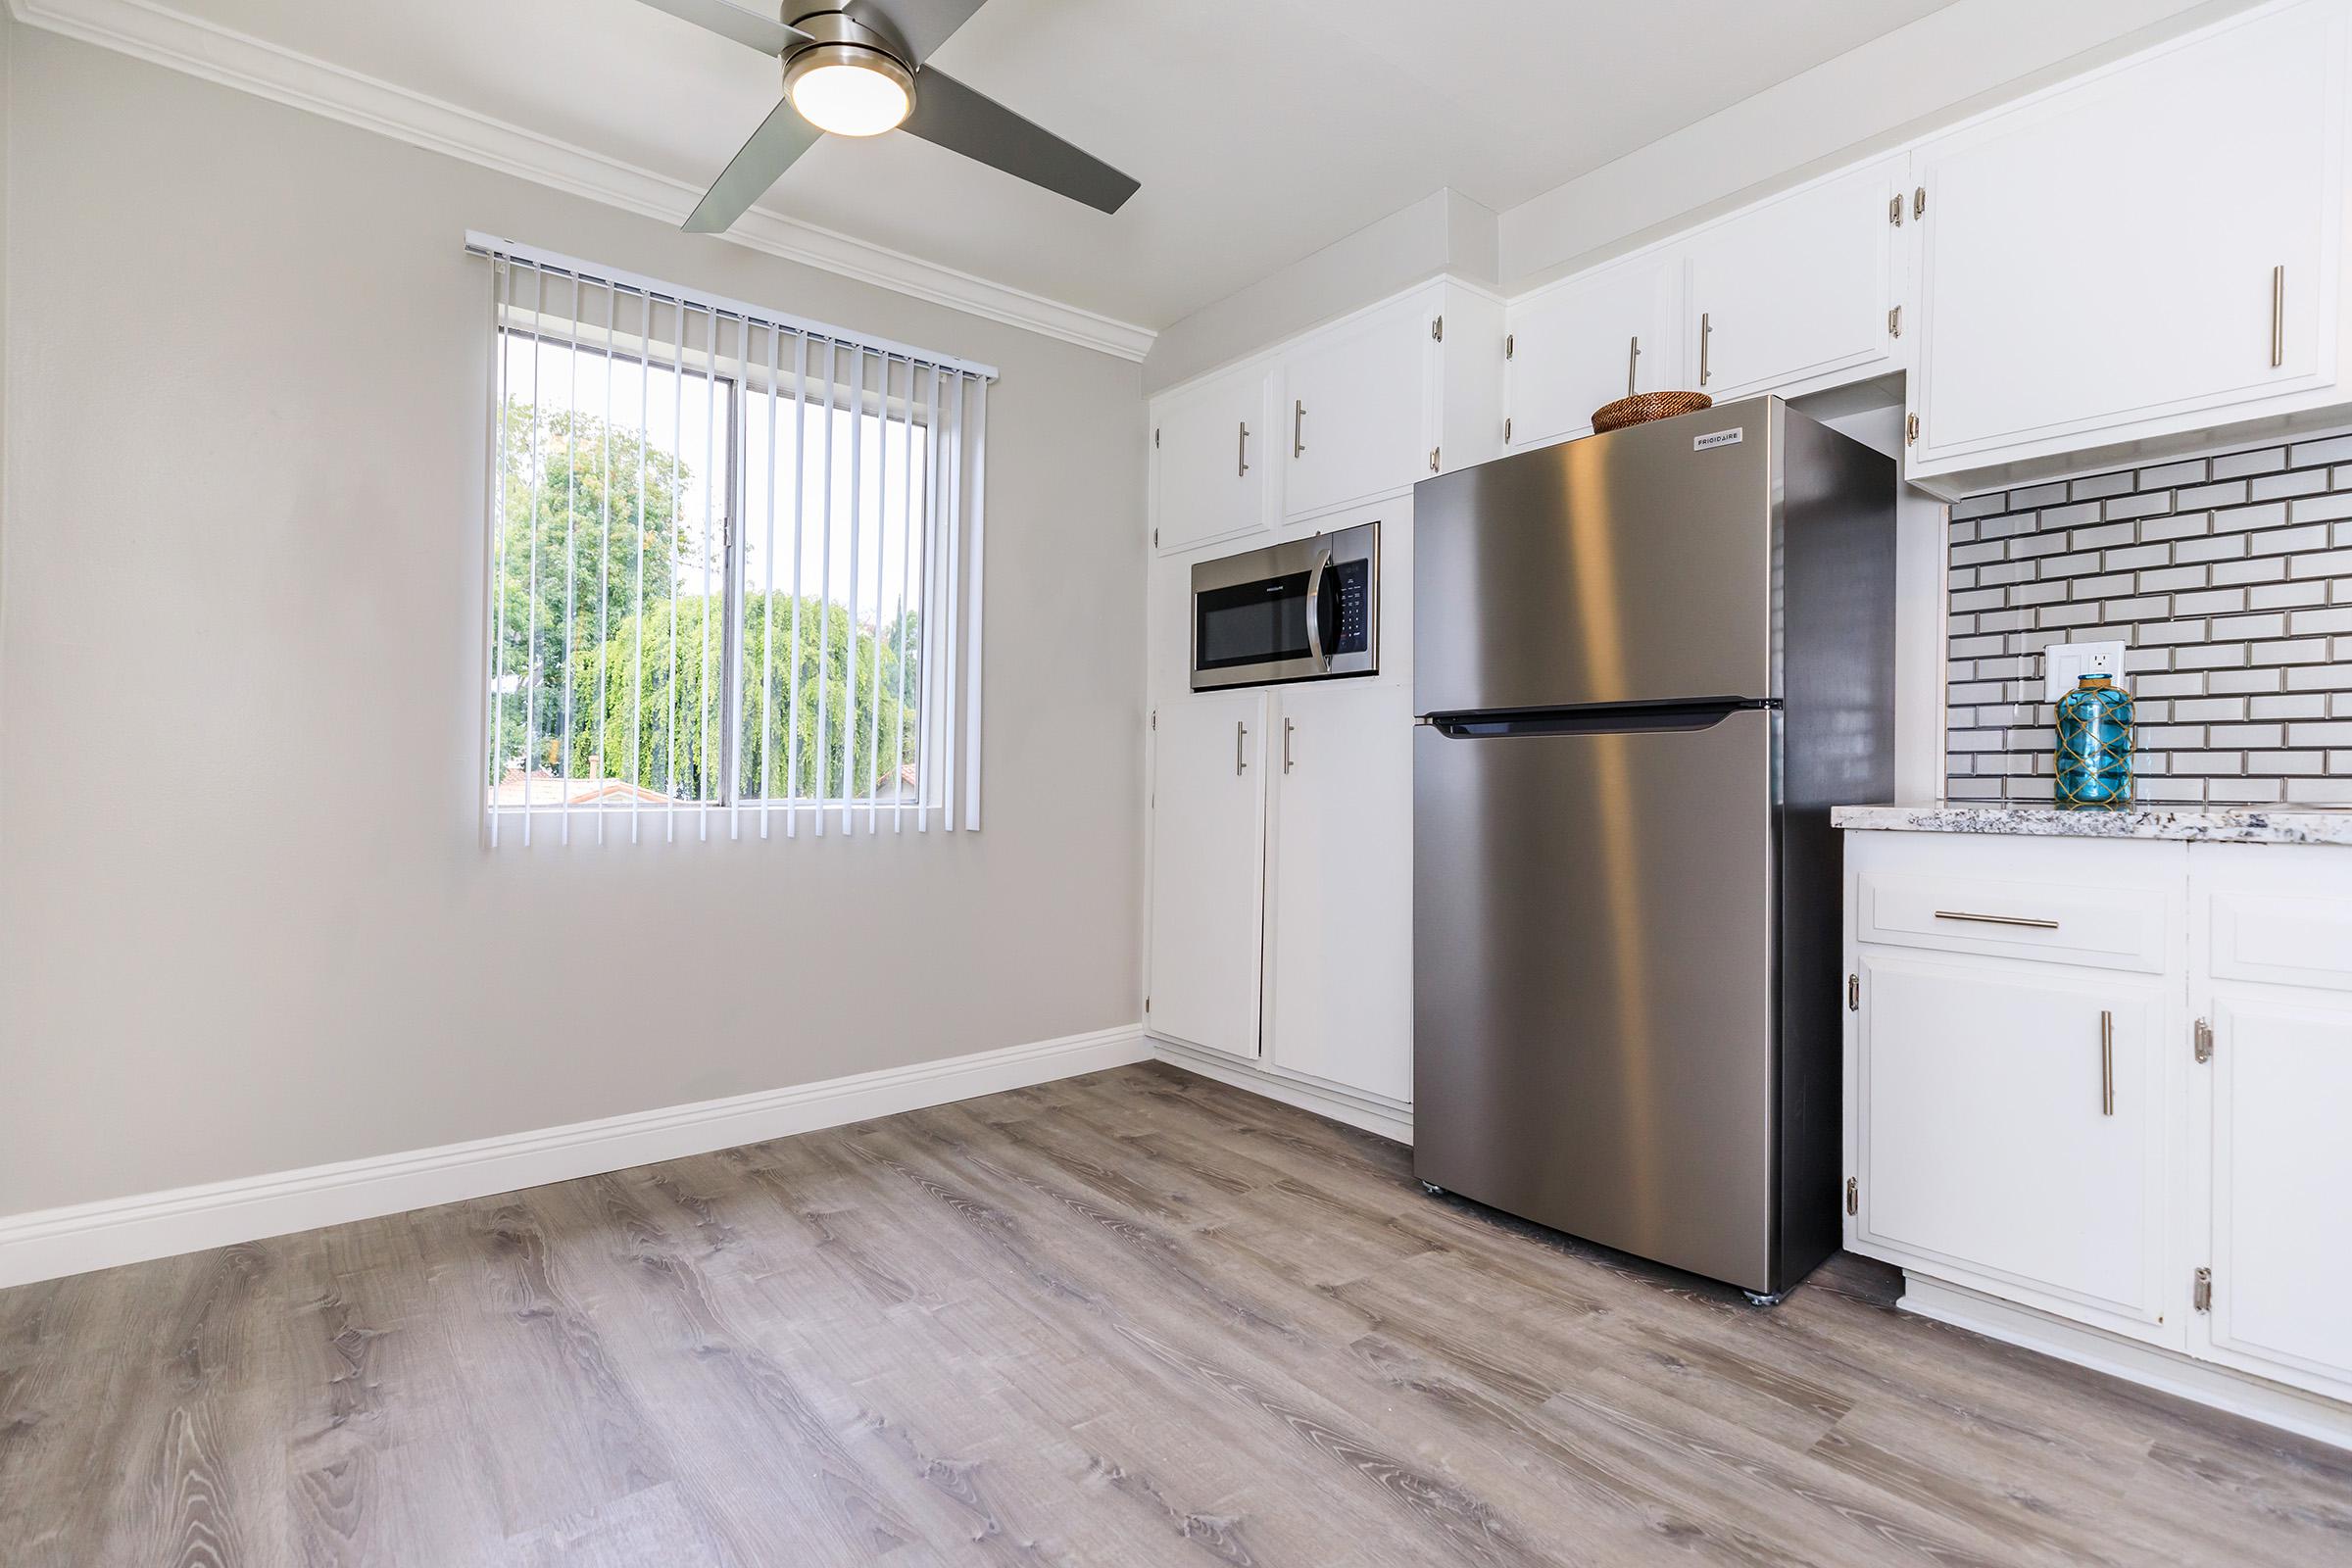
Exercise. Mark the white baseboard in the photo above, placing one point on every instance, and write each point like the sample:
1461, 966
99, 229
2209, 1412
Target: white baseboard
2274, 1405
46, 1243
1340, 1104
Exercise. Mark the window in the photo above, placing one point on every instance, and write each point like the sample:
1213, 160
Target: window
733, 567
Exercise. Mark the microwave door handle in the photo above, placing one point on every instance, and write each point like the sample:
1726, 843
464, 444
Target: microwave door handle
1314, 611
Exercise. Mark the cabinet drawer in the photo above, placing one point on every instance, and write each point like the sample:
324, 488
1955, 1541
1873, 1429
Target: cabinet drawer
2282, 939
2110, 927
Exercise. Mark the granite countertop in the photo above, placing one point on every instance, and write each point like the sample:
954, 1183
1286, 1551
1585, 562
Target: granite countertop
2205, 825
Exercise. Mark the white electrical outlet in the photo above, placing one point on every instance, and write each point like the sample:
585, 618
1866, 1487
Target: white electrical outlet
2064, 665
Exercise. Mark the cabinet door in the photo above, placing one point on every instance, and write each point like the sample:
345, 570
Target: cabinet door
1210, 460
1208, 817
2283, 1186
2109, 254
1340, 905
1798, 289
2013, 1132
1571, 345
1355, 422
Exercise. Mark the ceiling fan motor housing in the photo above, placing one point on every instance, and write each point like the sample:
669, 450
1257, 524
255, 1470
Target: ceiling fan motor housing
834, 39
850, 69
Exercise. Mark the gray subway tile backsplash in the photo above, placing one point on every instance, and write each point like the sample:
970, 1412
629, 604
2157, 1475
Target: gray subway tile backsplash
2230, 581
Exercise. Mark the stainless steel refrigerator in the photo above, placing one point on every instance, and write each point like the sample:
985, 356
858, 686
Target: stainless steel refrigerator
1647, 664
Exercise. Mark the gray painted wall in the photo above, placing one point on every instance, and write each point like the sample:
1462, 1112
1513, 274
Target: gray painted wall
245, 917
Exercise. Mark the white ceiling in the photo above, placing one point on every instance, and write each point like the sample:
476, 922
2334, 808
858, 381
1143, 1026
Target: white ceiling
1262, 129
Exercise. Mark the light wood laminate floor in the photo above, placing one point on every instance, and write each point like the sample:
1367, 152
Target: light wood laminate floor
1131, 1319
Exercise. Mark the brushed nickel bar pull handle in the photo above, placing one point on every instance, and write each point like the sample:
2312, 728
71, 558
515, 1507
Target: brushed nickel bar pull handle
1240, 739
1241, 456
1633, 361
1707, 331
2106, 1064
1287, 728
1297, 429
2277, 316
1997, 919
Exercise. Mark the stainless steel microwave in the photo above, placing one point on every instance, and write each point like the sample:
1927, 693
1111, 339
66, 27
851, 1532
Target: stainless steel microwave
1304, 611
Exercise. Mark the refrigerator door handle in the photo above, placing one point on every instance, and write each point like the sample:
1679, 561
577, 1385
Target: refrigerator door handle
1610, 718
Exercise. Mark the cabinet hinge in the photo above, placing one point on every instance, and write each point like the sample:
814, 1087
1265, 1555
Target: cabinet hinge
2204, 1039
1853, 1195
1853, 993
1506, 427
1911, 430
1895, 211
1894, 322
2201, 1294
1511, 344
1437, 328
1919, 202
1433, 460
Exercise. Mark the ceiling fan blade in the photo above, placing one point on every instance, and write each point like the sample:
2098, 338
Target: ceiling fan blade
760, 30
922, 26
954, 117
781, 138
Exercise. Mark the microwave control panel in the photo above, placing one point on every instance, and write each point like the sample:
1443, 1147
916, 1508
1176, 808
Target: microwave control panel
1354, 582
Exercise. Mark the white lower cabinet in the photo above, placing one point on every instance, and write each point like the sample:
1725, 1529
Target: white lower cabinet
1208, 814
2271, 972
2013, 1129
2141, 1132
1282, 895
1339, 983
2282, 1245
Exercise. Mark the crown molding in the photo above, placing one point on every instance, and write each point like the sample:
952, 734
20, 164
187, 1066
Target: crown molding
217, 54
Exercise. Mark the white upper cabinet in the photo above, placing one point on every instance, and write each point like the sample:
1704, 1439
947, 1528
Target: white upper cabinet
1573, 346
1208, 812
1355, 412
1340, 886
1213, 459
2135, 250
1799, 291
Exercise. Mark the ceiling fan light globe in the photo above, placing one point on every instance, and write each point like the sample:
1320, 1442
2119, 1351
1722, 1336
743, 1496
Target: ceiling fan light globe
849, 91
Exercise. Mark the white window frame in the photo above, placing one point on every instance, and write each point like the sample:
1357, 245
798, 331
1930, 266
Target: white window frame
951, 535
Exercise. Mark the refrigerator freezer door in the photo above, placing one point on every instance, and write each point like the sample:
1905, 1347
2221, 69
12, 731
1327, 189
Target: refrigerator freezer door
1622, 568
1593, 982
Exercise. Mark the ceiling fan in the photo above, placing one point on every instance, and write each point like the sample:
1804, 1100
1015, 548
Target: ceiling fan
857, 69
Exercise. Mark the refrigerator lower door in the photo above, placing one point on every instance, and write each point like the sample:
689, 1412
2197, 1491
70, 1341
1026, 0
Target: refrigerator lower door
1595, 984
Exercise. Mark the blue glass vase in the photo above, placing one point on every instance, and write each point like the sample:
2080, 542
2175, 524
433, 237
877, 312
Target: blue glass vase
2094, 747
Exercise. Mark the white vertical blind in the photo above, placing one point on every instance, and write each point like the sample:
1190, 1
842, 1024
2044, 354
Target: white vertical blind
733, 563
